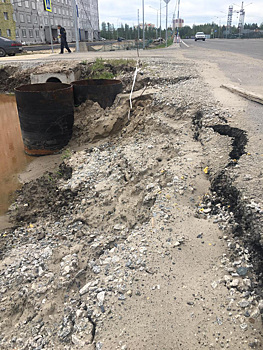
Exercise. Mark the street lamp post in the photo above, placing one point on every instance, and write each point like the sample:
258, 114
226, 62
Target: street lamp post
157, 10
166, 34
138, 26
143, 26
160, 18
76, 24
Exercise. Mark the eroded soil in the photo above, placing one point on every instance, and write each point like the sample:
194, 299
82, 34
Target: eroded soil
140, 239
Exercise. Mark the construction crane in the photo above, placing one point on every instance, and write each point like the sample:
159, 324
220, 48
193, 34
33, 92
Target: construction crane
241, 21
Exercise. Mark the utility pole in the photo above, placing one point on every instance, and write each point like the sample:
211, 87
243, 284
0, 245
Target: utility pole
157, 26
157, 10
166, 34
178, 16
76, 24
50, 33
160, 18
138, 25
143, 26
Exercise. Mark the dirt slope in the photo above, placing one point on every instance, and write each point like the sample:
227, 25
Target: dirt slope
126, 246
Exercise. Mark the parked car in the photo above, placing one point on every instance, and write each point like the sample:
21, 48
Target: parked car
120, 39
102, 39
200, 36
9, 47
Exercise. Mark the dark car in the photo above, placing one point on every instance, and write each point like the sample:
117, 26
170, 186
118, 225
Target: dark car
9, 47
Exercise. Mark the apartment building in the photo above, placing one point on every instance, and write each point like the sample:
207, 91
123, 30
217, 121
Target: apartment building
7, 23
33, 23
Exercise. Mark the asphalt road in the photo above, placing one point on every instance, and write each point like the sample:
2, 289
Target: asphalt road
237, 62
249, 47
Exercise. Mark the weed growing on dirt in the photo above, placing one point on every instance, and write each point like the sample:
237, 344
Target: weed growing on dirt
49, 177
108, 69
99, 71
66, 154
121, 62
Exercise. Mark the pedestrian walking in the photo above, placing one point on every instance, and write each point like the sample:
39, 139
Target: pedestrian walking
63, 39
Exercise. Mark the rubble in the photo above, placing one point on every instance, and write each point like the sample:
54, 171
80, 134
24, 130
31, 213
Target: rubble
127, 234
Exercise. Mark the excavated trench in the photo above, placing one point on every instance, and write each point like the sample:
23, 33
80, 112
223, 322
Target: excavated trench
246, 223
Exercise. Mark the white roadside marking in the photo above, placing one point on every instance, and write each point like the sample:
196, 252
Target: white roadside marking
185, 44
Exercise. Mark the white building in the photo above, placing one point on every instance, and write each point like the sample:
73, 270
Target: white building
33, 22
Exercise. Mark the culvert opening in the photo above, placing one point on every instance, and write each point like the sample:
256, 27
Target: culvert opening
239, 139
53, 80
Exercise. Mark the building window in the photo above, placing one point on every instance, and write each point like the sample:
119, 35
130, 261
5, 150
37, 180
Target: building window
6, 16
17, 33
19, 3
67, 12
59, 11
26, 3
28, 19
55, 9
51, 21
35, 19
63, 12
8, 32
31, 33
33, 4
22, 18
37, 33
24, 33
45, 20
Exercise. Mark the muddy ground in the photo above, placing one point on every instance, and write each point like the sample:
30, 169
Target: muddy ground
142, 238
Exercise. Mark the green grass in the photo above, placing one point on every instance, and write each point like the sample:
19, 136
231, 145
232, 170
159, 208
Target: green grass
108, 69
102, 75
66, 154
121, 62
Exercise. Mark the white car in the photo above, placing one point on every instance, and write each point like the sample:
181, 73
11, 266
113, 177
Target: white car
200, 36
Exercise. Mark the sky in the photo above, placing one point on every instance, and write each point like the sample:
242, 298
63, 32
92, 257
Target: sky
192, 11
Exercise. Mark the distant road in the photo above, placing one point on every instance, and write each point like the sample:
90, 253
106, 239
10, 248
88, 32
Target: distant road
248, 47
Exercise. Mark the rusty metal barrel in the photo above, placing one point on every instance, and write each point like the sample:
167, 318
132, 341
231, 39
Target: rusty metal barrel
46, 115
103, 91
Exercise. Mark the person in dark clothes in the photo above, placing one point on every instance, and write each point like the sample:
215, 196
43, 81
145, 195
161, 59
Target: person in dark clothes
63, 39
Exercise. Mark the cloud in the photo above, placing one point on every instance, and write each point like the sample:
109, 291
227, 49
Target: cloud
192, 11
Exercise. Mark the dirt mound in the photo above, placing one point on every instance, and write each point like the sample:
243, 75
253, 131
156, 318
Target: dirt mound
92, 124
33, 202
12, 77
